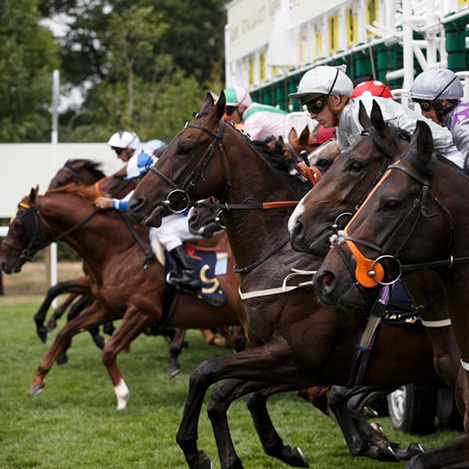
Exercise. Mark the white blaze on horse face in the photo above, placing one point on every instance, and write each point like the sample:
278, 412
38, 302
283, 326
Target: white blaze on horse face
122, 394
296, 213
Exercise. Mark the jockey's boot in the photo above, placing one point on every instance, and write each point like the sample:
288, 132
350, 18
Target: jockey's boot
184, 274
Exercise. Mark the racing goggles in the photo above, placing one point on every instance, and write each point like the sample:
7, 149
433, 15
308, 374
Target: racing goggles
424, 105
316, 105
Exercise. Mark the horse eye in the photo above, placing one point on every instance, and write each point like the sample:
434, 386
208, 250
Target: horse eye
185, 149
323, 163
391, 205
355, 166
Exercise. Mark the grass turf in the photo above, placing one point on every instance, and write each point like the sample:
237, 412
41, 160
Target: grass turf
74, 423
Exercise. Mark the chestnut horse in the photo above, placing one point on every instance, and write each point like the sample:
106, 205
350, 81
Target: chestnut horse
417, 214
298, 343
123, 288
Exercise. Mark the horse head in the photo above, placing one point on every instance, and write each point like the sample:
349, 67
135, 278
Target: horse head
206, 220
78, 171
23, 235
347, 181
400, 221
197, 152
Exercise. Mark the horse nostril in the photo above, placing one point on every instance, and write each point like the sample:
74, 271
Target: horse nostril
325, 283
136, 203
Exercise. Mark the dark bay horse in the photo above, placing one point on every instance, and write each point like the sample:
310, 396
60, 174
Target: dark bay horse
298, 343
327, 208
122, 287
416, 214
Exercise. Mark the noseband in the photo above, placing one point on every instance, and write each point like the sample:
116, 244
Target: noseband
197, 173
37, 241
370, 273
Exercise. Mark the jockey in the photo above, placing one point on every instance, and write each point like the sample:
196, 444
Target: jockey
174, 229
438, 91
259, 120
372, 88
326, 92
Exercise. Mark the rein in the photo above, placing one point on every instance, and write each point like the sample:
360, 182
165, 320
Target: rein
28, 251
148, 252
369, 272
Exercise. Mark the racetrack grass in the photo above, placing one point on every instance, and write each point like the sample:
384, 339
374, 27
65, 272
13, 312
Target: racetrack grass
74, 423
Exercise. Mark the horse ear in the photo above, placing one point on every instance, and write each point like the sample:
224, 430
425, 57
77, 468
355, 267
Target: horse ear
313, 136
33, 194
304, 137
220, 107
208, 104
423, 139
363, 116
292, 135
377, 119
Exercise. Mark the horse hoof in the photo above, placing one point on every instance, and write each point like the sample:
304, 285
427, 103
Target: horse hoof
61, 359
51, 325
172, 372
35, 389
294, 456
202, 462
407, 454
42, 333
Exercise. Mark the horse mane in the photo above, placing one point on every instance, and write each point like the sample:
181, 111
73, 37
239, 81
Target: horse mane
91, 166
275, 157
86, 193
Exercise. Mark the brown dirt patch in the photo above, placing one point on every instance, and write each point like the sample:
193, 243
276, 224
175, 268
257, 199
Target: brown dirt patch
34, 278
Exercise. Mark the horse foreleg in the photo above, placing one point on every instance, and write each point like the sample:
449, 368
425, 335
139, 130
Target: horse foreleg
271, 442
271, 363
133, 323
452, 455
59, 311
93, 317
71, 286
362, 438
175, 348
221, 398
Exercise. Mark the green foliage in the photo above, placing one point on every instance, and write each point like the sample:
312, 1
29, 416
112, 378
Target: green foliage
27, 58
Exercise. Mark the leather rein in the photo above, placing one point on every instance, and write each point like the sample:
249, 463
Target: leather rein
198, 173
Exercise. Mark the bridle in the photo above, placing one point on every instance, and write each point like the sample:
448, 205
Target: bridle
182, 191
31, 218
370, 272
197, 173
389, 151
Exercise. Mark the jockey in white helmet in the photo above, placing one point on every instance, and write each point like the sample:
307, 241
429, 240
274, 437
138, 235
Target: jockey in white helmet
124, 143
439, 91
259, 120
326, 93
174, 229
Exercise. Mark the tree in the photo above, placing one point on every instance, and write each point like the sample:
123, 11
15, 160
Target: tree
28, 57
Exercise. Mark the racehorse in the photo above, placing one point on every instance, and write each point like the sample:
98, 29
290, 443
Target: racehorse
123, 288
88, 173
297, 342
341, 191
415, 218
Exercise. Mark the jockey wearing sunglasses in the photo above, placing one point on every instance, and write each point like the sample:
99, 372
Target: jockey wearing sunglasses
326, 91
259, 121
439, 92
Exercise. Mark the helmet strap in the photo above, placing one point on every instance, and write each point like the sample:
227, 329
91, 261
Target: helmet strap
442, 109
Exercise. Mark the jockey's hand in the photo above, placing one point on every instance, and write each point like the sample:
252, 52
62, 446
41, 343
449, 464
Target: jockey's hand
103, 202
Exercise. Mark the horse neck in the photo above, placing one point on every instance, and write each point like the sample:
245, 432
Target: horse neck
99, 239
253, 181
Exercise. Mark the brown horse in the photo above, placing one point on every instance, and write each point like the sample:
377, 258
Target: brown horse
120, 284
297, 342
416, 214
341, 191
